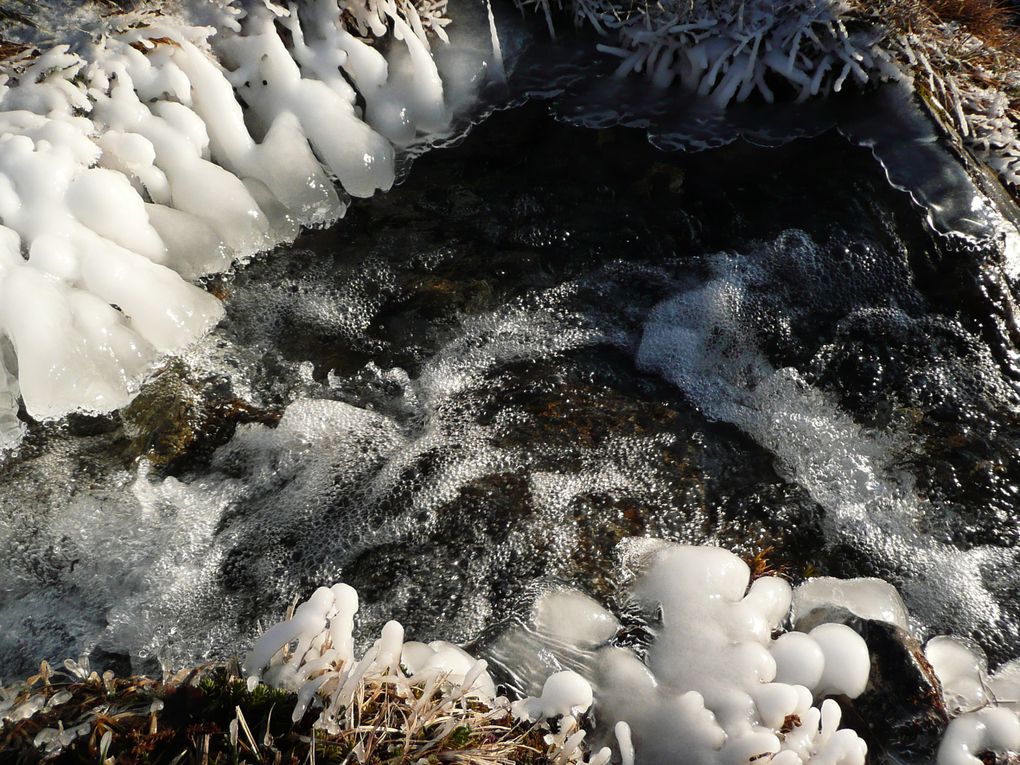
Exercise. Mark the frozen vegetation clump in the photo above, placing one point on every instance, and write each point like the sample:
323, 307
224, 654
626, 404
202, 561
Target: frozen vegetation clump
733, 50
165, 149
401, 703
312, 654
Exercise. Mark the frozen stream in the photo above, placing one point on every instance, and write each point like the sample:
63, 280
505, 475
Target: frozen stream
546, 340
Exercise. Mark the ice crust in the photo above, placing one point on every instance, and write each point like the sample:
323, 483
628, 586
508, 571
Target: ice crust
985, 706
730, 51
721, 682
166, 151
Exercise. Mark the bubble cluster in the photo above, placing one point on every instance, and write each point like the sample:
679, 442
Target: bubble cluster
714, 343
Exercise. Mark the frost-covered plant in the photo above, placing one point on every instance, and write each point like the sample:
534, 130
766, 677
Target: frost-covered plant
207, 714
308, 696
731, 50
973, 85
429, 691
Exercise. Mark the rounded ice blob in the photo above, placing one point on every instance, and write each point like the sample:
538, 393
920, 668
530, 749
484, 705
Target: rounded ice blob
847, 662
799, 659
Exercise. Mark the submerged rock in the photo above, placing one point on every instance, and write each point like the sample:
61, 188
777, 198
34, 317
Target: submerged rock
177, 421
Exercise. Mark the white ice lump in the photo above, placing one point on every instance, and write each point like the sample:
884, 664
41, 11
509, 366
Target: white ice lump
986, 708
714, 687
128, 168
709, 687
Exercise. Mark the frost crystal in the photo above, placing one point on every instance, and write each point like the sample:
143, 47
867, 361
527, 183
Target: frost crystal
732, 50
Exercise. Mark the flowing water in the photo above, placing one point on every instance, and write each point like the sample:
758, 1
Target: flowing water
548, 339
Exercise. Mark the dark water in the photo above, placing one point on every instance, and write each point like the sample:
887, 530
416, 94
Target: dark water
480, 410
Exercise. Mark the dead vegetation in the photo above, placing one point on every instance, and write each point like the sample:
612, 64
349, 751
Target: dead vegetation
964, 57
989, 20
207, 716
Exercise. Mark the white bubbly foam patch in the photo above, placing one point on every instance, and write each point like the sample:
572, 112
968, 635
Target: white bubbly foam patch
129, 167
704, 341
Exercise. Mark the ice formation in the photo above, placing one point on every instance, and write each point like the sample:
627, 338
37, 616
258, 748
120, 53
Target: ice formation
985, 707
164, 151
868, 598
724, 681
313, 654
714, 686
733, 50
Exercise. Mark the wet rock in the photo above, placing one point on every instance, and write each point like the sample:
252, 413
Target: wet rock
176, 422
990, 758
900, 714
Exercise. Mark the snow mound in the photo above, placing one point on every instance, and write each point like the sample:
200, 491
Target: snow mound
162, 152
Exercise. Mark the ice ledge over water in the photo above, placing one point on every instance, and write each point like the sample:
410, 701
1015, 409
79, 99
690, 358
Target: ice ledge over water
141, 161
732, 51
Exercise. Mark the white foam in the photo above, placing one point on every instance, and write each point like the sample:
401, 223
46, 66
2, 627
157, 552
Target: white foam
704, 341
